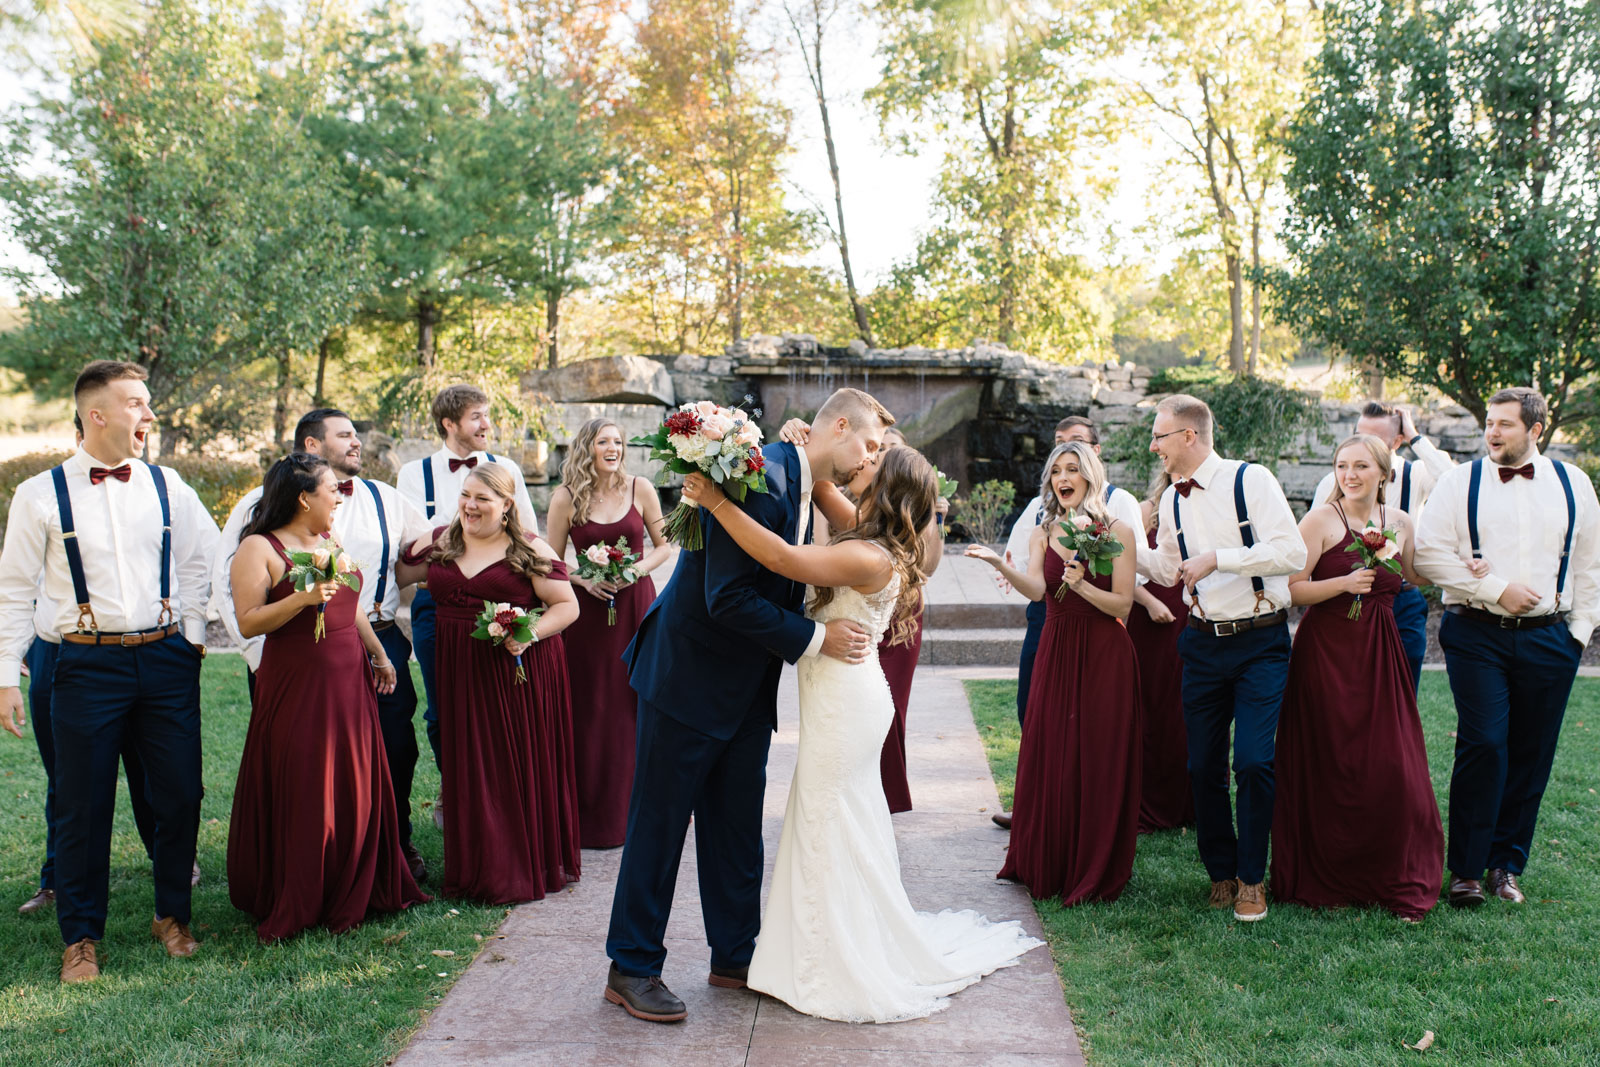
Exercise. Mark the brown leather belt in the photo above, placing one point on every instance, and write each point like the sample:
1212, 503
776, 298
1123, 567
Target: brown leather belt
1508, 622
1229, 627
148, 637
380, 625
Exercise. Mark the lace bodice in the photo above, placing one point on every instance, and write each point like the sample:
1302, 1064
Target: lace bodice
875, 611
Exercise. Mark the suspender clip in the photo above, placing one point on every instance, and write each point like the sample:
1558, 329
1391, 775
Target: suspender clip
85, 612
165, 618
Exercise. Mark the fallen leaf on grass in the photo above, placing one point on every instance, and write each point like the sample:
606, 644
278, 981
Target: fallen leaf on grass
444, 952
1421, 1046
395, 939
1552, 1000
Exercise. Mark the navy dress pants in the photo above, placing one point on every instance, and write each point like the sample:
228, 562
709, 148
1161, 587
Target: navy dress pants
106, 698
422, 631
1511, 689
395, 719
1030, 649
1411, 616
42, 656
1235, 681
680, 772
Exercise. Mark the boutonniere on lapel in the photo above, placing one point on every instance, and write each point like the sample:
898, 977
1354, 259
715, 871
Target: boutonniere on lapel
724, 444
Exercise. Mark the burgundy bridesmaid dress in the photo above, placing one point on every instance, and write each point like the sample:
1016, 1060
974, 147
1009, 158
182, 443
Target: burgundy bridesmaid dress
899, 663
1165, 797
1075, 816
510, 809
314, 838
604, 732
1355, 820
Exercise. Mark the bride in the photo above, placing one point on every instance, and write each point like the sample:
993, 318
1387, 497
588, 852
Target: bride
840, 939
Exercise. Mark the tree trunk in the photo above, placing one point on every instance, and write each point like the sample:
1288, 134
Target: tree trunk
1235, 310
319, 396
280, 399
1255, 290
427, 320
552, 322
1374, 382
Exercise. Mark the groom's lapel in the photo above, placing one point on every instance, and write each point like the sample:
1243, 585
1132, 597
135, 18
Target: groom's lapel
791, 491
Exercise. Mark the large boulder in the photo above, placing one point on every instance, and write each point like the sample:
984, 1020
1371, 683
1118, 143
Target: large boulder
608, 379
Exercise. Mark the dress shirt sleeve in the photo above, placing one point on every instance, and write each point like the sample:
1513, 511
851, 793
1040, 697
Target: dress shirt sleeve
1442, 541
1584, 564
1124, 507
1435, 460
816, 640
1160, 564
1021, 530
1325, 490
21, 563
530, 518
1279, 548
409, 483
413, 525
195, 541
222, 579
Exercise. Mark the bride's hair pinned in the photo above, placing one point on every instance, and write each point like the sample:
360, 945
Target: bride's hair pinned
894, 511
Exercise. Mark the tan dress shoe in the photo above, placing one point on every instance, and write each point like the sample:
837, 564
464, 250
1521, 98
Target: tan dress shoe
79, 963
44, 898
1501, 883
1223, 892
1251, 903
175, 936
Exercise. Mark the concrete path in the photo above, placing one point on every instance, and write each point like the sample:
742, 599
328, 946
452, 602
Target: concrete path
535, 996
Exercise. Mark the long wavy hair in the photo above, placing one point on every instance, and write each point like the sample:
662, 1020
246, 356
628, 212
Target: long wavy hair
1094, 475
577, 471
896, 507
296, 473
1381, 458
520, 553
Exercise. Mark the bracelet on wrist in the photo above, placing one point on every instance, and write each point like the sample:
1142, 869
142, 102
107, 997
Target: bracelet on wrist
721, 502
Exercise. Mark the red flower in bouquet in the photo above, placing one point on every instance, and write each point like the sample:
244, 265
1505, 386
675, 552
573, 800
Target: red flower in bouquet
1374, 548
1093, 543
722, 443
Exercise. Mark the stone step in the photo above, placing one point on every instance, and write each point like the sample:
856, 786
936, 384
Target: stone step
960, 615
972, 647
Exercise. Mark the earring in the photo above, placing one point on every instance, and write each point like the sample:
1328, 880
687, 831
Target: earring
304, 506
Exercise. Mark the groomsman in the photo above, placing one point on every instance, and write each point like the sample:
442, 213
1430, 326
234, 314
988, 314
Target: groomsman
373, 523
1409, 485
125, 549
1512, 639
1228, 534
461, 415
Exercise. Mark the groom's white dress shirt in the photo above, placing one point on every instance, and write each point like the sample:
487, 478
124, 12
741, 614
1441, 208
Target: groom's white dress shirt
802, 524
118, 526
447, 487
355, 526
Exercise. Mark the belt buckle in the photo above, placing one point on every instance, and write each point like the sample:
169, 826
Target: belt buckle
122, 640
1510, 622
1227, 628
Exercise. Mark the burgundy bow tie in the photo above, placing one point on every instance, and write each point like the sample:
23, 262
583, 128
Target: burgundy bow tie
100, 474
346, 487
457, 464
1508, 473
1185, 487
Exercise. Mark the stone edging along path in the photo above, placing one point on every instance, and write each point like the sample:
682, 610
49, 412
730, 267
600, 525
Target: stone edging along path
534, 995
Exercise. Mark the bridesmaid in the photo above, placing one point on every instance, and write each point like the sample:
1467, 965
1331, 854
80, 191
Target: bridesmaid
510, 810
1157, 618
595, 485
1075, 816
1355, 821
314, 837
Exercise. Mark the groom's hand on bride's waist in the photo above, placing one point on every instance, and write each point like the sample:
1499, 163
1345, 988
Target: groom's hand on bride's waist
846, 640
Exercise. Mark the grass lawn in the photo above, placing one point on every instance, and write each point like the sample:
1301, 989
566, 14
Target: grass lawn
1157, 978
318, 999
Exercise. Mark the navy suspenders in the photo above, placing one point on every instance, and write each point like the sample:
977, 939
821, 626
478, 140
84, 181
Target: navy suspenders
1246, 534
69, 541
383, 531
1405, 486
1109, 490
1473, 483
427, 482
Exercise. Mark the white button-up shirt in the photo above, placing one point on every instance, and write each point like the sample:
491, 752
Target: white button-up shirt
355, 526
447, 487
1521, 526
1211, 524
118, 527
1421, 476
1123, 506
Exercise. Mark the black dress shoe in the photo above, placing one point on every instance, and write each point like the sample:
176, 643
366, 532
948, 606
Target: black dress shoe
419, 870
1502, 883
646, 998
44, 898
729, 977
1002, 820
1465, 892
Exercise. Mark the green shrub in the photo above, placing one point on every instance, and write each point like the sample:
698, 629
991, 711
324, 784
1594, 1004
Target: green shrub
986, 508
219, 483
13, 472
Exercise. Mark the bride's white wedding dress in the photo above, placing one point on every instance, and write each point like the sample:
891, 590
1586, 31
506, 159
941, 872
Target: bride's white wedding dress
840, 939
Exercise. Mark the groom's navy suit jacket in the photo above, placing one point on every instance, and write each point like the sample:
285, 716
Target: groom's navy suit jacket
710, 649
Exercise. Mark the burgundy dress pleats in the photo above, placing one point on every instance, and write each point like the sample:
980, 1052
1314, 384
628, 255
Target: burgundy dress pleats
899, 663
1166, 799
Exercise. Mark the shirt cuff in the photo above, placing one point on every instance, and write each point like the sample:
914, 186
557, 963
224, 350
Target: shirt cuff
816, 641
194, 630
1490, 589
10, 672
1580, 629
1229, 560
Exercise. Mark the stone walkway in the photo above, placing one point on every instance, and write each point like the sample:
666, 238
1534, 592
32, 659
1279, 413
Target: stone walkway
535, 996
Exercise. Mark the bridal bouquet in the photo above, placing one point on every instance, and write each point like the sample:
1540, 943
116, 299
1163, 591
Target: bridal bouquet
1093, 543
330, 564
499, 622
722, 443
609, 563
1374, 548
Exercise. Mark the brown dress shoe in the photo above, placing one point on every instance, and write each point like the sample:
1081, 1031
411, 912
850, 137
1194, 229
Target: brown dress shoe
729, 977
1251, 903
1002, 820
1465, 892
78, 962
1502, 883
419, 870
175, 936
44, 898
1223, 892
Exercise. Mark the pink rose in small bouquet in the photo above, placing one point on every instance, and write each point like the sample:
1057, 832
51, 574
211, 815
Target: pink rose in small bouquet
319, 565
601, 562
1374, 548
498, 623
1093, 542
724, 444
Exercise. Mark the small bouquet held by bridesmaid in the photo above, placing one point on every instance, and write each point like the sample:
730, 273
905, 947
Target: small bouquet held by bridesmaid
499, 622
1092, 541
330, 564
1374, 548
722, 443
947, 489
601, 562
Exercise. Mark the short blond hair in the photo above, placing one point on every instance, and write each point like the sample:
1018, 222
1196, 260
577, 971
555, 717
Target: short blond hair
1191, 411
855, 406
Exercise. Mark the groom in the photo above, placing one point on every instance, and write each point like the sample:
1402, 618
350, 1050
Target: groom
705, 664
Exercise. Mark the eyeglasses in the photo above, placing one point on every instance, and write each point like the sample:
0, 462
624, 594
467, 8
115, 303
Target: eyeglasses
1158, 436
